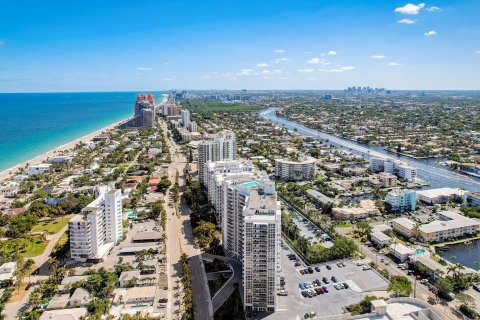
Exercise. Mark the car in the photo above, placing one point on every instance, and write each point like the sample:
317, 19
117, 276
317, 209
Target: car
328, 267
366, 268
325, 280
297, 263
317, 290
302, 271
339, 265
424, 281
325, 289
341, 285
334, 279
163, 300
310, 270
317, 268
343, 264
337, 286
360, 263
345, 285
304, 293
301, 285
282, 293
305, 270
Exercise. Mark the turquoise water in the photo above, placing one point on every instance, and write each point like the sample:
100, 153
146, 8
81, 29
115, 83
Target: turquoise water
132, 215
34, 123
250, 184
420, 251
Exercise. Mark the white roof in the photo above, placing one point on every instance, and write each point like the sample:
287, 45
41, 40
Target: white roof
64, 314
440, 192
401, 249
404, 222
450, 220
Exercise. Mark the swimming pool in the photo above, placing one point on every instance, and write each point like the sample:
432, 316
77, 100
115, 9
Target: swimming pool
250, 184
420, 251
131, 215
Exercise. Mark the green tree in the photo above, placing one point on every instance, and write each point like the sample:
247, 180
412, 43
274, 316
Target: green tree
400, 286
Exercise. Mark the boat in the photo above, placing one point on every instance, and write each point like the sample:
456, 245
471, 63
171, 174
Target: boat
469, 242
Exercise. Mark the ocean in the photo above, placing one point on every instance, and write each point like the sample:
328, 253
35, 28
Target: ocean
33, 123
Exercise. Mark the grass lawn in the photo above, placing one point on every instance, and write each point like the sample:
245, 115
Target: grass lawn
51, 226
343, 224
33, 248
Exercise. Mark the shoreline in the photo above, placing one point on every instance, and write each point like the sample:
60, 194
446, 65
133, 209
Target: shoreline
7, 173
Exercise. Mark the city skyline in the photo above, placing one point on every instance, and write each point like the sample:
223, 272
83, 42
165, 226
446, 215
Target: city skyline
399, 45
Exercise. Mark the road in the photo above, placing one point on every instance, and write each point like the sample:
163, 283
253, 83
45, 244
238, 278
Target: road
180, 240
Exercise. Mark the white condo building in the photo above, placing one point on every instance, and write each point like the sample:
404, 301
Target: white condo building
185, 118
98, 228
301, 170
218, 147
400, 169
250, 217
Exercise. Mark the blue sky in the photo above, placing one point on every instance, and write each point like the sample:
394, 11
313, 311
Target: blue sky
264, 44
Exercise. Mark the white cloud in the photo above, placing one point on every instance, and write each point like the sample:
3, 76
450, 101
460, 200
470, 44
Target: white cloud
317, 60
410, 8
245, 72
407, 21
430, 33
433, 9
262, 64
144, 69
269, 72
279, 51
394, 64
378, 56
332, 53
280, 60
306, 70
338, 69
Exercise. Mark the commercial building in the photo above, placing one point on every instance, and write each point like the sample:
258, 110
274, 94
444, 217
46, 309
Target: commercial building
301, 170
98, 228
404, 226
440, 195
400, 169
193, 127
450, 225
221, 146
401, 200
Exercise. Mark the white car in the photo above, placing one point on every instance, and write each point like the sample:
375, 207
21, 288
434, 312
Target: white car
360, 263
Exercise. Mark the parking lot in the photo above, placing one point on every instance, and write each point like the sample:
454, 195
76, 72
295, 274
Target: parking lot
360, 283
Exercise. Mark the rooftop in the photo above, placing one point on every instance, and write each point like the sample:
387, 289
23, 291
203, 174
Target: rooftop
449, 220
64, 314
440, 192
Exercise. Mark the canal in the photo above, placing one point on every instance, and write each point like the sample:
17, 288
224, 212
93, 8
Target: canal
427, 169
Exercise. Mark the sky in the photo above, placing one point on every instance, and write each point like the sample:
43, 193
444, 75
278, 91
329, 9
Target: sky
58, 46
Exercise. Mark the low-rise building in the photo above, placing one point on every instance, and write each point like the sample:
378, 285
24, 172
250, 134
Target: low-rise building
450, 225
135, 295
440, 195
64, 314
400, 251
379, 238
7, 271
9, 191
404, 226
363, 209
388, 180
301, 170
472, 199
38, 169
401, 200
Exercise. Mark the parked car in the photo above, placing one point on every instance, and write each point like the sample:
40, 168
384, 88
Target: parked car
360, 263
345, 285
337, 286
297, 263
343, 264
339, 265
282, 293
424, 281
328, 267
304, 293
334, 279
301, 285
325, 280
317, 268
325, 289
366, 268
310, 270
302, 271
